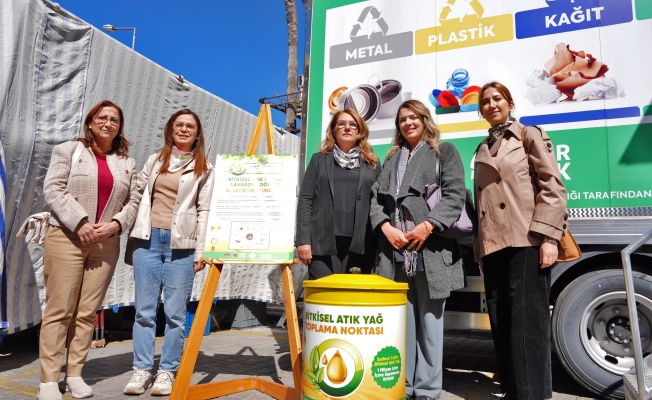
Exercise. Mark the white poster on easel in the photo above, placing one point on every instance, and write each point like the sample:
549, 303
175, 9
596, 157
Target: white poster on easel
253, 209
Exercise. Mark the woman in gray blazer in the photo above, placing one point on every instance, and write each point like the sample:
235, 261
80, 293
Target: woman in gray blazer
333, 229
430, 264
90, 187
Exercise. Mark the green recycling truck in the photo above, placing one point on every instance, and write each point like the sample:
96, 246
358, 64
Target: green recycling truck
578, 68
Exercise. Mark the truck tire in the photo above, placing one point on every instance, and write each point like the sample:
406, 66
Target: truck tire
590, 329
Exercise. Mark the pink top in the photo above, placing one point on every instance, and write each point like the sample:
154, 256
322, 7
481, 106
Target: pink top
104, 184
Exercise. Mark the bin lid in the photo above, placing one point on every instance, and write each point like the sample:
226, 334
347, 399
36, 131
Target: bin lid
356, 282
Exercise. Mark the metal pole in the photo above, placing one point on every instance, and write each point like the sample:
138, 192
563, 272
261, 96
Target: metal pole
111, 28
633, 315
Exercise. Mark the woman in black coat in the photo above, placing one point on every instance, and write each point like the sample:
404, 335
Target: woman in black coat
333, 229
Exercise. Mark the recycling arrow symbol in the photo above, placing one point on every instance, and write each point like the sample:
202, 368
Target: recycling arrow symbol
446, 11
380, 22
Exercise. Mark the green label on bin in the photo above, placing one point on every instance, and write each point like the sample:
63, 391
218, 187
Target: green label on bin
386, 367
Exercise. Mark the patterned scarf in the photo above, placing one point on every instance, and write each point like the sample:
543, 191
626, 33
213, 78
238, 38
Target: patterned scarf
403, 219
347, 161
179, 159
497, 132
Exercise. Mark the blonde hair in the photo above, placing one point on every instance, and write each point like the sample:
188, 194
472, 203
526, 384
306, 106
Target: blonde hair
430, 132
366, 152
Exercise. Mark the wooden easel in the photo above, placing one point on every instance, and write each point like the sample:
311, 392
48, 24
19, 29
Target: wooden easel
182, 389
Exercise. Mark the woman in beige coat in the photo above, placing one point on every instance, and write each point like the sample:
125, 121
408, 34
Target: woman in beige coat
90, 187
521, 205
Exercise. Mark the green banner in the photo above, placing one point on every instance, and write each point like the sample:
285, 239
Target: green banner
600, 167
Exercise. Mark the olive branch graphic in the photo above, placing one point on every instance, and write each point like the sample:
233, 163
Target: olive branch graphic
315, 375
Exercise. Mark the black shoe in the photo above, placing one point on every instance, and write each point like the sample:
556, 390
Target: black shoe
410, 397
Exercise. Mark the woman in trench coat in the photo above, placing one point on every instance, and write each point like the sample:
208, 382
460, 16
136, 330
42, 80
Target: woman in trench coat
521, 205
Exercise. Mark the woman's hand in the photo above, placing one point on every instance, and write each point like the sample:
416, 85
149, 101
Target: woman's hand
418, 235
198, 266
305, 253
547, 254
86, 232
105, 230
395, 236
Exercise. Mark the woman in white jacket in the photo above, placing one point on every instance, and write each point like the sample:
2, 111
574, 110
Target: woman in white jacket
170, 228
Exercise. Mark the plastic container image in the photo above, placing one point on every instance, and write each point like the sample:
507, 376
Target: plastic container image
458, 82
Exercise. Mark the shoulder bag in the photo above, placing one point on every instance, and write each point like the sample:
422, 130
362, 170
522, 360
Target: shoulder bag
36, 225
567, 247
467, 223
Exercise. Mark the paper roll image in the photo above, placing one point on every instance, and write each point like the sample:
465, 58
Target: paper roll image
572, 75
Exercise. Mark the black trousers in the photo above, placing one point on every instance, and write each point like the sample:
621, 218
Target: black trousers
339, 263
517, 291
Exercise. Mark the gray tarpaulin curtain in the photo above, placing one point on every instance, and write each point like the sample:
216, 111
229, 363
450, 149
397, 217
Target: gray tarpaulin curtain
53, 68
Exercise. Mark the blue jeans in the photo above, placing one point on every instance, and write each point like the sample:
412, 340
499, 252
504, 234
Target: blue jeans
159, 268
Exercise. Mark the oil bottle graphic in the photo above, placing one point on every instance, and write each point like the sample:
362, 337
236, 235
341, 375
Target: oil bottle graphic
336, 368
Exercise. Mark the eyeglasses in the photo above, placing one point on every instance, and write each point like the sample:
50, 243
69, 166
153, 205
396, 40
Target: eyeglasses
103, 120
180, 125
342, 125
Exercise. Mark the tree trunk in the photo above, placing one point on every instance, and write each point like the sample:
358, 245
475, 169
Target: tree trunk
293, 41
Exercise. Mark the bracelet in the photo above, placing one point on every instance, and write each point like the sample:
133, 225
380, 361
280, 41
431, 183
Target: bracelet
428, 230
550, 240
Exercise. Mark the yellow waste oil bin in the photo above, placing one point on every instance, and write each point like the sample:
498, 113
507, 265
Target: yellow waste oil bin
354, 338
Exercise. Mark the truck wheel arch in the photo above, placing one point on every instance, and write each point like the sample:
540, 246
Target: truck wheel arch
564, 273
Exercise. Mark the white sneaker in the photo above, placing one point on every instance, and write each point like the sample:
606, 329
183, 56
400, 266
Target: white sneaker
163, 383
140, 381
48, 391
78, 388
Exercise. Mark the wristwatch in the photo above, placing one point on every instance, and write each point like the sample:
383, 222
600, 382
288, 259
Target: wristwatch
550, 240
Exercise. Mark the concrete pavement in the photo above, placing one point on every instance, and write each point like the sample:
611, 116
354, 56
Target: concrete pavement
261, 351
